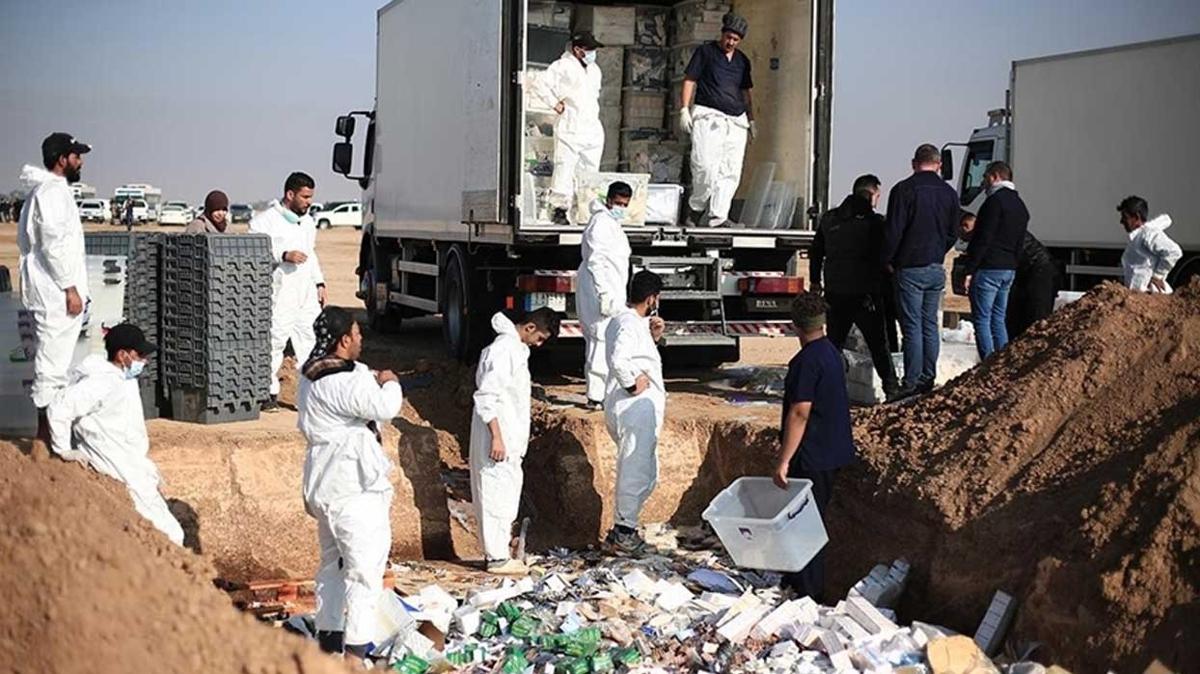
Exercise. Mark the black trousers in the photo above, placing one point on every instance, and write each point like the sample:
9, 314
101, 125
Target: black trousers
810, 581
867, 312
891, 315
1031, 300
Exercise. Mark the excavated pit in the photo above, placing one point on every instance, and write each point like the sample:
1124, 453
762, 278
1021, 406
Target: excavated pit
1064, 472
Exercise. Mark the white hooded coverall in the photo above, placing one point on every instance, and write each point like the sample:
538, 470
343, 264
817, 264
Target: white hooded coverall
634, 422
578, 133
1150, 252
718, 148
347, 490
294, 302
105, 411
502, 392
50, 240
603, 277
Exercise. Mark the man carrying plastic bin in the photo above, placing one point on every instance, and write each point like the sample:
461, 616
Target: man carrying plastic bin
815, 426
571, 87
718, 77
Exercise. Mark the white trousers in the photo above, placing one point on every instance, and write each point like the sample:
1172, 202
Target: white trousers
495, 493
293, 310
595, 364
718, 148
634, 423
355, 535
570, 157
149, 503
56, 334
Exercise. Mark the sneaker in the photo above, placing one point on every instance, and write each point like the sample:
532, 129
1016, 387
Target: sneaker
270, 404
625, 541
925, 387
903, 393
594, 406
508, 567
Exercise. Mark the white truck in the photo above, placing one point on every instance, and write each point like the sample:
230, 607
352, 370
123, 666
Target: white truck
1086, 129
446, 190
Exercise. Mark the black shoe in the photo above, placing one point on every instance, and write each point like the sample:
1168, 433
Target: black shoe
903, 393
270, 404
694, 218
925, 387
560, 216
594, 405
890, 390
625, 541
331, 642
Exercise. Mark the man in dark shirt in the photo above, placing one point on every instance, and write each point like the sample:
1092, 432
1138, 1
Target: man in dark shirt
922, 219
1034, 287
718, 78
992, 257
844, 263
816, 440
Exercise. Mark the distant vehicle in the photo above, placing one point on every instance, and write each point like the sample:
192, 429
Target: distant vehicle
175, 213
316, 208
141, 211
94, 210
240, 213
340, 215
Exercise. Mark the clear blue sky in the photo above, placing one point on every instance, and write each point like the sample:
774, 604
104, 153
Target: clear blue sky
221, 94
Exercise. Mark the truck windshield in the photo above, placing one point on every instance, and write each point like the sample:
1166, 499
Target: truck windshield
979, 155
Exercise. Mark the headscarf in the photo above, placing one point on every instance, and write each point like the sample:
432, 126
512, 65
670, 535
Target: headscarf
322, 361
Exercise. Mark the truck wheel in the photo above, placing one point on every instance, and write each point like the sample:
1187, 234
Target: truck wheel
464, 309
1188, 270
383, 319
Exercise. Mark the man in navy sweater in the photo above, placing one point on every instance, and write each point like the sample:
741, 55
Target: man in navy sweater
992, 257
922, 218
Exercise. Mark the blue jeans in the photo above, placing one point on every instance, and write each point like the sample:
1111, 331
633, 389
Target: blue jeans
989, 308
919, 297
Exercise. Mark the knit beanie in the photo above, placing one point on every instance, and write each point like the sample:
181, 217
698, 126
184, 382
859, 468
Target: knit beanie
216, 201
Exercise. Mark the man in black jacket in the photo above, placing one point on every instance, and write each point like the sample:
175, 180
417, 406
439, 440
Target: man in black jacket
846, 250
1034, 288
922, 219
992, 257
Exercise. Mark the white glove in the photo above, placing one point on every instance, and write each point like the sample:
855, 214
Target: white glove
685, 121
753, 130
608, 305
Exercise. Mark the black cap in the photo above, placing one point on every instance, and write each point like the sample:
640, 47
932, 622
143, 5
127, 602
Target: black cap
58, 144
585, 39
128, 336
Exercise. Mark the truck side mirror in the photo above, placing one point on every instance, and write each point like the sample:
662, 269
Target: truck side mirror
344, 126
947, 164
343, 157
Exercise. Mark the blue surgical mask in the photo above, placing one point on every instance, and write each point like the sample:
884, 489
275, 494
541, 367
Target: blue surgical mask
589, 57
618, 212
135, 368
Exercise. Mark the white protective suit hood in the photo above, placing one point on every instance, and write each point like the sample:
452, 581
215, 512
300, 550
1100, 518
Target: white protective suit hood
1159, 222
32, 176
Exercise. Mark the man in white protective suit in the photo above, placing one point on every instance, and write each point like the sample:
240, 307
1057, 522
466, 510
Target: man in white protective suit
1150, 254
718, 80
102, 408
634, 406
500, 431
571, 87
603, 279
54, 284
297, 284
346, 484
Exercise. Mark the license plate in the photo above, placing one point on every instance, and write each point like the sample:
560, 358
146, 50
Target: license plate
768, 304
555, 301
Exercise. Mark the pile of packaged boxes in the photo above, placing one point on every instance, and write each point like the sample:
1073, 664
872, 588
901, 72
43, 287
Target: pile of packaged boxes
642, 65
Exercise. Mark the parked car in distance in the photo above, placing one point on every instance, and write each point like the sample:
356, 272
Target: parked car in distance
315, 208
94, 210
141, 211
348, 214
240, 213
175, 213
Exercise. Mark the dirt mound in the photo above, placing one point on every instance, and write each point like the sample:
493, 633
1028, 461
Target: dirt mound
1065, 470
89, 586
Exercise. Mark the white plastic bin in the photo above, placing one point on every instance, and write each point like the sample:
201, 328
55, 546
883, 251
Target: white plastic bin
662, 204
765, 527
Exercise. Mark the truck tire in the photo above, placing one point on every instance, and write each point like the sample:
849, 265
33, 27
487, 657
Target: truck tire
464, 308
382, 319
1187, 270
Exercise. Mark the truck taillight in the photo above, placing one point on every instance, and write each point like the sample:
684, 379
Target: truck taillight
539, 283
778, 285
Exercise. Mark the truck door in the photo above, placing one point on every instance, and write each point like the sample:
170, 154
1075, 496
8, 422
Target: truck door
980, 153
487, 106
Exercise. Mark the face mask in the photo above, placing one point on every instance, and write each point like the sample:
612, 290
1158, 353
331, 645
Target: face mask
618, 212
135, 368
589, 57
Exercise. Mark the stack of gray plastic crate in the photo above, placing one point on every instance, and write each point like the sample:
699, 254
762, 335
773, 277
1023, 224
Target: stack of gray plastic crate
216, 325
142, 253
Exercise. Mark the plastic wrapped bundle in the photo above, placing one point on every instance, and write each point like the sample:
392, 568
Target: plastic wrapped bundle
646, 68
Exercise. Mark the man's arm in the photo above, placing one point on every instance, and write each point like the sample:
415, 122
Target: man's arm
73, 402
369, 400
748, 99
50, 214
1166, 253
897, 223
689, 91
986, 224
622, 366
793, 433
